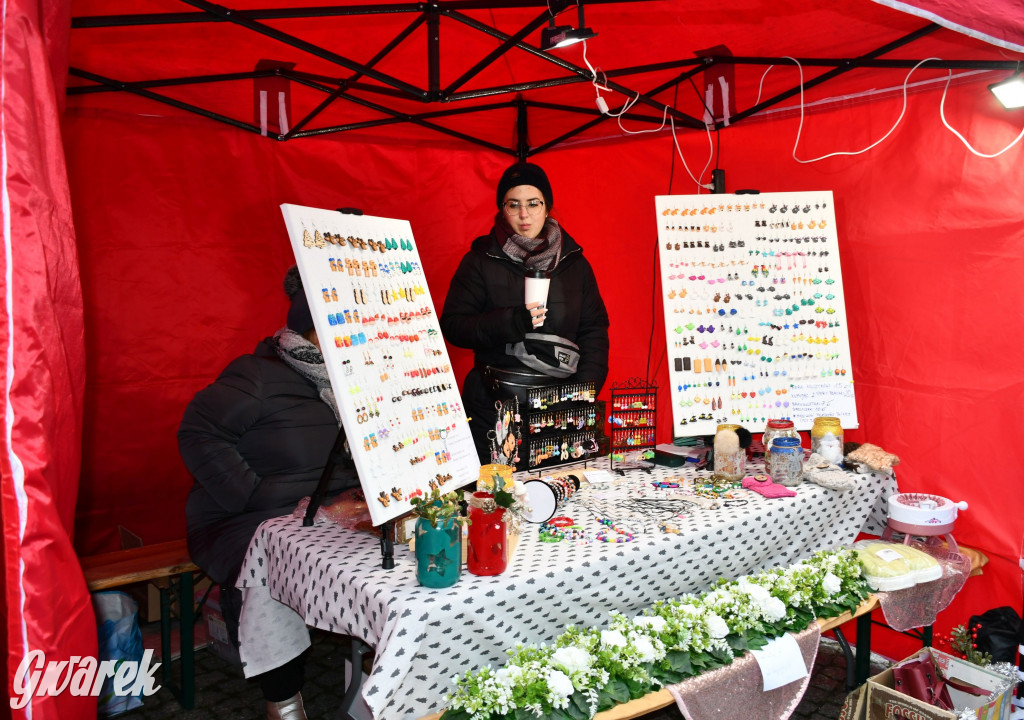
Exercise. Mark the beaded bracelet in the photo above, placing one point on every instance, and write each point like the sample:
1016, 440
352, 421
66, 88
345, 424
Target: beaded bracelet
602, 535
561, 521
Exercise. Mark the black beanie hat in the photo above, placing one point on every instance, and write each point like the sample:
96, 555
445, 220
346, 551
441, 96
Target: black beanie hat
300, 320
524, 173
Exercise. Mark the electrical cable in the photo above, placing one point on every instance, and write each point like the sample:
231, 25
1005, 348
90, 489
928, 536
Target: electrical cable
800, 127
654, 294
602, 105
942, 115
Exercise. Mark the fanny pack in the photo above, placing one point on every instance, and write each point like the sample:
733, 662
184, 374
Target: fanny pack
550, 355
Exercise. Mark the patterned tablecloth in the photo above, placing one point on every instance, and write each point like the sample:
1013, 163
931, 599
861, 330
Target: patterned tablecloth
330, 578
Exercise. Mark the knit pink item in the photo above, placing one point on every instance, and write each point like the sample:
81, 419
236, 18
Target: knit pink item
763, 485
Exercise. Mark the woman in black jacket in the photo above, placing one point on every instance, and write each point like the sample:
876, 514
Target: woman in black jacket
486, 311
256, 442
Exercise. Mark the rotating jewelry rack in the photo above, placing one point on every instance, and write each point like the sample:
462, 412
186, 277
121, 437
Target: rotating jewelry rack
632, 425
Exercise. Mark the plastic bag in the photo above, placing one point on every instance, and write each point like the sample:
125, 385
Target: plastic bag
120, 639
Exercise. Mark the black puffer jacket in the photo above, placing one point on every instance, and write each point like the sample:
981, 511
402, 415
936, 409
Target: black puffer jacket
484, 310
256, 442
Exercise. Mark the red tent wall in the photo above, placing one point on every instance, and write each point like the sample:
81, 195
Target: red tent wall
42, 370
183, 248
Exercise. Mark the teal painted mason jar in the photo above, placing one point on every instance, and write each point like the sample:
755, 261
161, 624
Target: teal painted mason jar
438, 553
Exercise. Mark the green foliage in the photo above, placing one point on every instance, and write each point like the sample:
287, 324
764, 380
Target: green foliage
436, 507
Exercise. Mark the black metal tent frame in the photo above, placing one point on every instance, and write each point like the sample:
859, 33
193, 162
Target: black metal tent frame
374, 95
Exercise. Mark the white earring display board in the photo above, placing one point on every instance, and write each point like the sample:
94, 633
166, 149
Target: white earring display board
385, 356
755, 314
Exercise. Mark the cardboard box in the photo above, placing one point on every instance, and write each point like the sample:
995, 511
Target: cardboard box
878, 700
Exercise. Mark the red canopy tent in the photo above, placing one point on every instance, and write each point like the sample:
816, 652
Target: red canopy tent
171, 265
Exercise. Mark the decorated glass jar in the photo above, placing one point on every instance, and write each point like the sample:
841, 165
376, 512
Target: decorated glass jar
730, 458
777, 428
785, 461
438, 552
488, 543
827, 439
494, 475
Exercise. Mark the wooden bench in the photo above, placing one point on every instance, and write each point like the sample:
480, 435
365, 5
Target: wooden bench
170, 568
663, 698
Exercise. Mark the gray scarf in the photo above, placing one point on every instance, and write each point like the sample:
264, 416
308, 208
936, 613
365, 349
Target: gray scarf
540, 253
306, 359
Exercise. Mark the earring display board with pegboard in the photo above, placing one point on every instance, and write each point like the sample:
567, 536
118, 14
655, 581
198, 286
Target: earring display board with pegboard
755, 316
561, 424
388, 365
632, 424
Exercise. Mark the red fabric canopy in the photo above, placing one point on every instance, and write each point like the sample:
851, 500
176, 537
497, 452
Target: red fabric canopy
174, 262
1000, 22
43, 367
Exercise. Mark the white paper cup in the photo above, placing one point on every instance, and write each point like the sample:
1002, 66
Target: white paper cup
537, 289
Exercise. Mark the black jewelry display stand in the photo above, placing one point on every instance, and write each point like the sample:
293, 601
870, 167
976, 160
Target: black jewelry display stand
551, 418
634, 409
387, 544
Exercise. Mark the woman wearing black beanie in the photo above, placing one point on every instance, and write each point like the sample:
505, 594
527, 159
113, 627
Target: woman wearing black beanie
517, 345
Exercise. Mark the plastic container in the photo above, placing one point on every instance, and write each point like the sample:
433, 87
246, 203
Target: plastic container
785, 461
827, 439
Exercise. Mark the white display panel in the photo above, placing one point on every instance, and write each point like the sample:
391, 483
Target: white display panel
755, 313
385, 356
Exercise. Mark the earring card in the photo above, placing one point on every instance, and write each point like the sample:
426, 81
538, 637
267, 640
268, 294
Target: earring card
755, 313
387, 362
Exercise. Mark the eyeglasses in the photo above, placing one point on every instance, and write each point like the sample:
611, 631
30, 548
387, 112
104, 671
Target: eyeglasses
532, 206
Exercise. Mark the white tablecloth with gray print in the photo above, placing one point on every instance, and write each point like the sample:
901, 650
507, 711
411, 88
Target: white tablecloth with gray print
331, 578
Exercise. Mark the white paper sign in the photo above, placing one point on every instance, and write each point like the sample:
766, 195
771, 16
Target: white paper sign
823, 399
781, 662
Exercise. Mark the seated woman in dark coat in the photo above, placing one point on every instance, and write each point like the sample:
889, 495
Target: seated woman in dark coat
256, 442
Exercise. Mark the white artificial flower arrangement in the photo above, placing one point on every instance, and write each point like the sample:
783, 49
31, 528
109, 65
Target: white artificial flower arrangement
588, 670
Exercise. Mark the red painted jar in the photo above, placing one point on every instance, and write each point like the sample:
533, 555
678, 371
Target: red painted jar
488, 546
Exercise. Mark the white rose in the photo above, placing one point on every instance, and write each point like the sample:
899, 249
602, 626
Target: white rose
645, 649
560, 684
773, 609
654, 622
688, 609
509, 676
613, 638
571, 659
831, 584
716, 626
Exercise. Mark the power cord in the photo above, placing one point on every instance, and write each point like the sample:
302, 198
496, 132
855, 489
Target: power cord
903, 110
942, 115
602, 106
800, 127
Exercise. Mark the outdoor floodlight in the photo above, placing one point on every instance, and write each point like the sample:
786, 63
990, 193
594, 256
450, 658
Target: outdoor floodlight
1010, 92
555, 37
